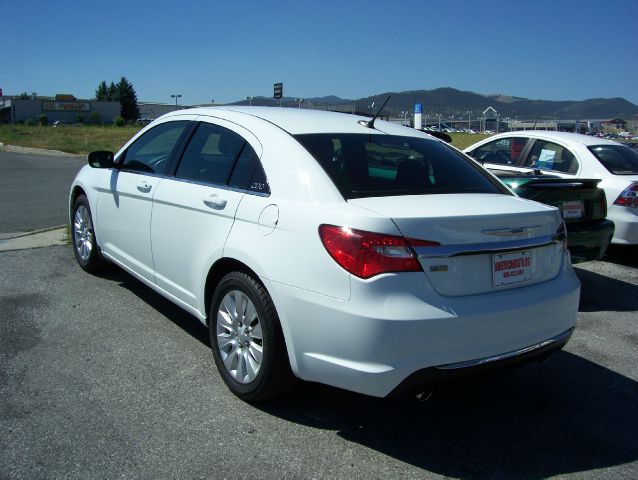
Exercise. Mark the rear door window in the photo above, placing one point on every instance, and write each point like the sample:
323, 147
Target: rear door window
383, 165
248, 173
210, 155
551, 156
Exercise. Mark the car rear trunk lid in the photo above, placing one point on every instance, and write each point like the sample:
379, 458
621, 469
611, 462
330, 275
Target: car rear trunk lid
487, 241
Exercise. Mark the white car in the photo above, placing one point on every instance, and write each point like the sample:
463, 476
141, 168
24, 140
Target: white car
572, 155
319, 246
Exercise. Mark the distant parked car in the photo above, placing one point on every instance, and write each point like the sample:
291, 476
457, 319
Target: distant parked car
320, 245
582, 204
574, 156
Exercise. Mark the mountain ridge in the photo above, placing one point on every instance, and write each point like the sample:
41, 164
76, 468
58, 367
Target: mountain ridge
449, 101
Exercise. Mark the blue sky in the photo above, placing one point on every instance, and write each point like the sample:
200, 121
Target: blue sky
553, 50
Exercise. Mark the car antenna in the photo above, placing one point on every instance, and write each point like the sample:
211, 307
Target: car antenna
370, 123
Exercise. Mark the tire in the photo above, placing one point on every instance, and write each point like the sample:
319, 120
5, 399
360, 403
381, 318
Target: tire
247, 341
83, 238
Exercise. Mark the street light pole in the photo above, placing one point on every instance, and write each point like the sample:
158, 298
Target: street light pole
176, 96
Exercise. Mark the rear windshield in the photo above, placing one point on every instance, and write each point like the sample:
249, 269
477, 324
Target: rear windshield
618, 159
363, 165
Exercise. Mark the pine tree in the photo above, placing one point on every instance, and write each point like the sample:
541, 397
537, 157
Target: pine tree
102, 92
128, 100
124, 93
114, 93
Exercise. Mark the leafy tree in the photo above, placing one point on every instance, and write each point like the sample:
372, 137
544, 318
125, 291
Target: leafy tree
96, 117
118, 121
80, 118
43, 119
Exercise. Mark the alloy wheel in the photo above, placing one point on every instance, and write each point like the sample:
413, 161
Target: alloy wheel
239, 336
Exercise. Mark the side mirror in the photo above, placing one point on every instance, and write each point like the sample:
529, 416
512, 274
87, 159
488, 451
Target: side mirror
101, 159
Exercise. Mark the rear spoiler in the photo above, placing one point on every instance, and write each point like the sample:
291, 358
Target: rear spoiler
442, 135
544, 182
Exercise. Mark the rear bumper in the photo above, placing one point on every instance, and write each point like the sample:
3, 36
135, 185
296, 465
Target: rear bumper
589, 240
626, 221
435, 375
396, 325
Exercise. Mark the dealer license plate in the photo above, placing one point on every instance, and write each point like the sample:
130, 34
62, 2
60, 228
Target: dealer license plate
511, 268
573, 209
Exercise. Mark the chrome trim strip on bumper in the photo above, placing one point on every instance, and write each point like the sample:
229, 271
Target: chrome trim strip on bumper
486, 247
504, 356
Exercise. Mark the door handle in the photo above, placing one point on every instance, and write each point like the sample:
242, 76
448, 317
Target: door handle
144, 187
215, 202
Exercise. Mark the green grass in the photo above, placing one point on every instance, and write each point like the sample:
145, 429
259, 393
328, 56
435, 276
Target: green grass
464, 140
69, 138
86, 138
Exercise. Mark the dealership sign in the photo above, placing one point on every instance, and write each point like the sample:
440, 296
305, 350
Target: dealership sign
278, 90
67, 106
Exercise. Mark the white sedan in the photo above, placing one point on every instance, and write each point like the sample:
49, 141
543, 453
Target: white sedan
572, 155
326, 247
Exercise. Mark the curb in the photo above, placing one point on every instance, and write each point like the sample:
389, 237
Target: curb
35, 232
38, 151
41, 238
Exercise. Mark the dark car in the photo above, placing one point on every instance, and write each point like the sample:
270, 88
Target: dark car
582, 204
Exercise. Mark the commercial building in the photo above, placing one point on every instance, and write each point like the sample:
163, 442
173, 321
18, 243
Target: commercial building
153, 110
63, 108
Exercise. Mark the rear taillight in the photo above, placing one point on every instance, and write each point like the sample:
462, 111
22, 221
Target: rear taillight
603, 204
366, 254
561, 235
629, 197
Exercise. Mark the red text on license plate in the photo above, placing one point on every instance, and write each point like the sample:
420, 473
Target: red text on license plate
511, 268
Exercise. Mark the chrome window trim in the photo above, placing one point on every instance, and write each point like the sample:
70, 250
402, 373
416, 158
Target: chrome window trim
221, 186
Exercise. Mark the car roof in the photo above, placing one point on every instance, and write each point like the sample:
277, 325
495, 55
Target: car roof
566, 137
298, 121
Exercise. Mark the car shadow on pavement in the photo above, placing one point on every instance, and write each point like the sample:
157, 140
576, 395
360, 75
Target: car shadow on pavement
600, 293
626, 255
175, 314
563, 416
566, 415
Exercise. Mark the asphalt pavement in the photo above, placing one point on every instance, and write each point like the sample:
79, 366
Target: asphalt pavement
34, 190
100, 377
